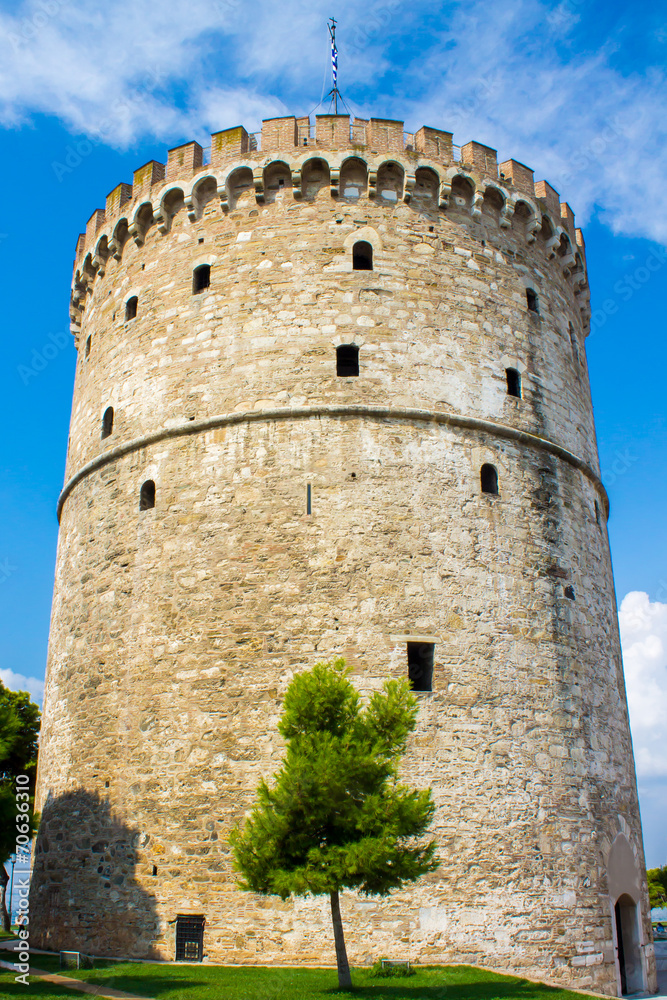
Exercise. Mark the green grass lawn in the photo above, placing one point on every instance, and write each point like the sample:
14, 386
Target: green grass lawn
208, 982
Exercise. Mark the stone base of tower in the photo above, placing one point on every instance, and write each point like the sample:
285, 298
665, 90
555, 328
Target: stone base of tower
537, 932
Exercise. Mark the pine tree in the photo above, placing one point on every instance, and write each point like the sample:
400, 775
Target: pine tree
336, 816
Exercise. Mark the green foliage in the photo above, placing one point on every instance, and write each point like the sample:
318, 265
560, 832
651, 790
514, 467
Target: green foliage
18, 735
657, 887
380, 971
336, 816
19, 732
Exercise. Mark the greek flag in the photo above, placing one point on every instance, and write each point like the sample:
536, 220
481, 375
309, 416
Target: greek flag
334, 62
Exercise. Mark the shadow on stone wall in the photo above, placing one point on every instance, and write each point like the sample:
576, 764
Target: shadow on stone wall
84, 893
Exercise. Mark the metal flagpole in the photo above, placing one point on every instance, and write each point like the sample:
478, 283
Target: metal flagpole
334, 63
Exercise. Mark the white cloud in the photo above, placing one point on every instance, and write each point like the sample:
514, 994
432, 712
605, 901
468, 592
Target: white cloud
644, 640
18, 682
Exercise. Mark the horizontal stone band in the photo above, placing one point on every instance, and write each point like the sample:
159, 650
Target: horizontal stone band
401, 413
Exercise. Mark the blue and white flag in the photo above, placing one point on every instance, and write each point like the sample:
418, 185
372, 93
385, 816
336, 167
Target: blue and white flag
334, 61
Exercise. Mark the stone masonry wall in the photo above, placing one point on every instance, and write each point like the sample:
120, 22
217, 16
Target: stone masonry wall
176, 630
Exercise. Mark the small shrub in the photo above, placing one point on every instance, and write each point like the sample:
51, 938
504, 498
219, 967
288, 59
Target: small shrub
402, 970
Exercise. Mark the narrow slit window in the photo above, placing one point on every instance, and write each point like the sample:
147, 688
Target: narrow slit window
107, 422
147, 495
532, 300
201, 278
573, 344
309, 499
362, 256
347, 360
131, 308
89, 341
489, 479
513, 382
597, 512
420, 665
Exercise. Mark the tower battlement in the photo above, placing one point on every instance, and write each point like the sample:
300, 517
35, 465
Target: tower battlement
487, 189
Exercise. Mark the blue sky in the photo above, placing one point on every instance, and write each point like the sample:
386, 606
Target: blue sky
574, 89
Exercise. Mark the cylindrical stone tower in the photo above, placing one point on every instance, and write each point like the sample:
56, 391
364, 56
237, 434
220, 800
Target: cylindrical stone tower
332, 399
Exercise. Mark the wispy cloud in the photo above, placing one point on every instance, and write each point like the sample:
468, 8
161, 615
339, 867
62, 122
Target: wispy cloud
515, 76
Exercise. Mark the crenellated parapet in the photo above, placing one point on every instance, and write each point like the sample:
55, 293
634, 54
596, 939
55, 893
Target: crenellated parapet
354, 158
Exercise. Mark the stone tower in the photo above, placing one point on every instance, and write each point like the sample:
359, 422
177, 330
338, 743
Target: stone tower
331, 398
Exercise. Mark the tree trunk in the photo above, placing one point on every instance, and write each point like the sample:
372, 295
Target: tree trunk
344, 977
4, 882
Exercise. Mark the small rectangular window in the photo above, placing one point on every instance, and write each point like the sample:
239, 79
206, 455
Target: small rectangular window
189, 938
513, 382
309, 499
420, 665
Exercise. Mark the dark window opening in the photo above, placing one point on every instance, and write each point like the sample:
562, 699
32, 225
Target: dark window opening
131, 308
513, 382
532, 300
147, 495
569, 592
362, 256
201, 278
597, 512
200, 240
420, 665
309, 499
489, 479
107, 422
88, 343
154, 869
347, 360
189, 938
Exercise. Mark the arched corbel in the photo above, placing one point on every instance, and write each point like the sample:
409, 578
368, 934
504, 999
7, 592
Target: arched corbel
135, 233
296, 182
190, 207
568, 263
372, 182
506, 214
478, 200
533, 228
99, 263
444, 193
551, 244
334, 179
409, 186
115, 248
223, 195
258, 181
